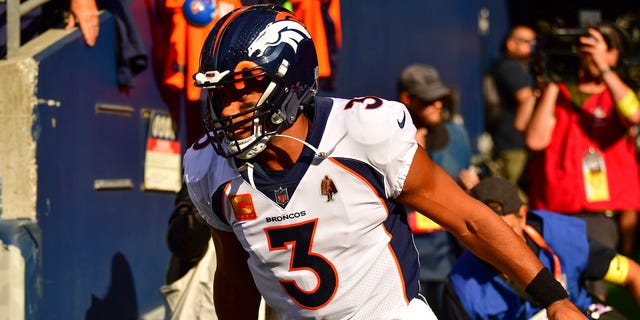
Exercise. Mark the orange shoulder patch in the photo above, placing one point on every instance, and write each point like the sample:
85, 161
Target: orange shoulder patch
243, 208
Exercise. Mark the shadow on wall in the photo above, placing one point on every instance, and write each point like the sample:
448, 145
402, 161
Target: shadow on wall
120, 301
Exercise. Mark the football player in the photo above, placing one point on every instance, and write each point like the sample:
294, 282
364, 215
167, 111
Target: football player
275, 233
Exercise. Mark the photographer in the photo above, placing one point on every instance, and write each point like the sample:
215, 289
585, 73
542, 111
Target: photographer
583, 160
514, 85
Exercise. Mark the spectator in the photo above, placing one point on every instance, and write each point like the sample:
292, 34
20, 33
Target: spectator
583, 160
447, 144
82, 13
276, 235
514, 87
188, 292
476, 290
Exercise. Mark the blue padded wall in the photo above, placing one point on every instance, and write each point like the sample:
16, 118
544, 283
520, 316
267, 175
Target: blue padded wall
380, 38
104, 252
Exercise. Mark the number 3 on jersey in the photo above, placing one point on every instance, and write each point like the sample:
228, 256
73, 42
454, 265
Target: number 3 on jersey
299, 237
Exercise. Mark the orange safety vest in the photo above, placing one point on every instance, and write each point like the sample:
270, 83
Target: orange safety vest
185, 43
311, 14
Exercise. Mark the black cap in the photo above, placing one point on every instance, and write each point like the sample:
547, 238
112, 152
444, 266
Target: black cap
499, 194
423, 81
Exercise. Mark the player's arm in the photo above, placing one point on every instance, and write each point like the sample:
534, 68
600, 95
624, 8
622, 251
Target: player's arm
235, 295
430, 190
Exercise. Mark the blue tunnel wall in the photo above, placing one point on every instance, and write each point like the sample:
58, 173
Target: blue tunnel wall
103, 251
380, 38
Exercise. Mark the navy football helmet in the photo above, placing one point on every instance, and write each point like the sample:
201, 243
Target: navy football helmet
265, 42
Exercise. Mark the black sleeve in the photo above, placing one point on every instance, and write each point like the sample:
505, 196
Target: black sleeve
511, 75
600, 257
451, 307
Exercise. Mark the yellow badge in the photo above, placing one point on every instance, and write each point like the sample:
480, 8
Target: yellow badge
594, 171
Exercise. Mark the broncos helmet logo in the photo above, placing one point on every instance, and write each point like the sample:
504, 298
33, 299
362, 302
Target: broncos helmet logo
286, 31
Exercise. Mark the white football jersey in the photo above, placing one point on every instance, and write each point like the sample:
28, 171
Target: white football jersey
325, 238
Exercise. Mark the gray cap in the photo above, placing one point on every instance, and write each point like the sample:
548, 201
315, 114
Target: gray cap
498, 191
423, 81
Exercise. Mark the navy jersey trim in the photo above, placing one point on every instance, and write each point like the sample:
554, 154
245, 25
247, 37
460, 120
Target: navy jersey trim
217, 203
266, 183
396, 224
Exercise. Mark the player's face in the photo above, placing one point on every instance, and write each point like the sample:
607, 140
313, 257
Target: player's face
239, 97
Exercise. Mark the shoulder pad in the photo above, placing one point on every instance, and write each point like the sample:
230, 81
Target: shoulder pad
376, 120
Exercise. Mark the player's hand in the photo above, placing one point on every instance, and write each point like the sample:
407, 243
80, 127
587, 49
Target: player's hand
85, 14
564, 310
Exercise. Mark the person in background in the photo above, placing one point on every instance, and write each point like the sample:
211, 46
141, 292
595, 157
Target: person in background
476, 290
83, 14
447, 144
255, 180
584, 156
514, 86
178, 43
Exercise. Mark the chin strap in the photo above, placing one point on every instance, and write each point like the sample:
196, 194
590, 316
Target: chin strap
318, 153
249, 167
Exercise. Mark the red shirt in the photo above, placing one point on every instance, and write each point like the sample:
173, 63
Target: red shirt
557, 181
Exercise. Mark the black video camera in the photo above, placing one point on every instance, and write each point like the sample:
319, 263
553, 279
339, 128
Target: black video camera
556, 56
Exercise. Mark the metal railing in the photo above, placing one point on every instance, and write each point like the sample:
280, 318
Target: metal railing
15, 10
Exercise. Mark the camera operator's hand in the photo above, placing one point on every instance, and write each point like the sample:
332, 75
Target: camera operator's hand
595, 47
541, 81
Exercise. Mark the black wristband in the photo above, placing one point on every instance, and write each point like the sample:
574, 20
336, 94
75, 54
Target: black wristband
544, 289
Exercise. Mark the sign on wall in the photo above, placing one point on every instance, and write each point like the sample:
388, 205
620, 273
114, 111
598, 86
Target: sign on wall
163, 158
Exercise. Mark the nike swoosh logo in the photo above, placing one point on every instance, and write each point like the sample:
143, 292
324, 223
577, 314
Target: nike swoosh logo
401, 122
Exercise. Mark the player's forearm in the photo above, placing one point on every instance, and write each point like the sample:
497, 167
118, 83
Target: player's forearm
492, 240
475, 224
233, 300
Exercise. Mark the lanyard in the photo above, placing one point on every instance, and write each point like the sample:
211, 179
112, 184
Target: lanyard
537, 238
